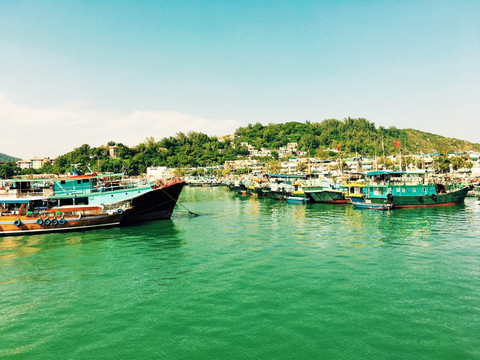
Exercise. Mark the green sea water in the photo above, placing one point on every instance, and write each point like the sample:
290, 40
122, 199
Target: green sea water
249, 279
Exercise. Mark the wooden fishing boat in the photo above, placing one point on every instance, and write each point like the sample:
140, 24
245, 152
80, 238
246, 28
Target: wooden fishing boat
30, 216
145, 200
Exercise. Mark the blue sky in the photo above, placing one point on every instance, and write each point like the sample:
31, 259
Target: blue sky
79, 72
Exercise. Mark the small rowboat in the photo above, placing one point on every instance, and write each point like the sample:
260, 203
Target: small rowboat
369, 205
297, 200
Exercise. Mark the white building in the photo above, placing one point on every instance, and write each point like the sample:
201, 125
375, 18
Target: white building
238, 164
159, 172
35, 163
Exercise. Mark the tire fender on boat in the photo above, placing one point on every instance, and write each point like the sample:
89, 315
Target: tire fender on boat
434, 197
120, 211
47, 222
420, 198
61, 221
390, 198
54, 222
17, 222
39, 221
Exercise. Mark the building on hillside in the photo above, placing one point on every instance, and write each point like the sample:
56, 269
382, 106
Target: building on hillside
240, 164
289, 166
318, 166
112, 151
261, 153
35, 163
227, 138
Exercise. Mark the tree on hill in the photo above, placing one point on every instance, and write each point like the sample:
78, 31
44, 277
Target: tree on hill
196, 149
8, 170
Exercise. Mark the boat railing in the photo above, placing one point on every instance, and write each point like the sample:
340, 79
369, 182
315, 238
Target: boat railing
49, 190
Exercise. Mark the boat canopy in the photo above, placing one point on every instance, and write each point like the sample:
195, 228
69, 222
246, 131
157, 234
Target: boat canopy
14, 201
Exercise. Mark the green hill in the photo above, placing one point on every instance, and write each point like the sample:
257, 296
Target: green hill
5, 158
427, 142
196, 149
351, 135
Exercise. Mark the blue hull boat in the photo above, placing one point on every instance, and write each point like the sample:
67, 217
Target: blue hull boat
371, 206
297, 200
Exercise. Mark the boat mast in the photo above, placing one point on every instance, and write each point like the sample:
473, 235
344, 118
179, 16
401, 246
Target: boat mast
400, 155
383, 150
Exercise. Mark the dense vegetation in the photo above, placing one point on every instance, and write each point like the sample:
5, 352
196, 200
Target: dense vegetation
351, 135
199, 150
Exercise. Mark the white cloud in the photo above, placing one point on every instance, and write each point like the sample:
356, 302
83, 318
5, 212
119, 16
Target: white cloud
29, 132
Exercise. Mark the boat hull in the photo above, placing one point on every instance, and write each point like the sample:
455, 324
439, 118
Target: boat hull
25, 225
327, 196
157, 204
371, 206
279, 195
297, 200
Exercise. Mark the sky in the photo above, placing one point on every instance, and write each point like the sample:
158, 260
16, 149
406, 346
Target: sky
90, 72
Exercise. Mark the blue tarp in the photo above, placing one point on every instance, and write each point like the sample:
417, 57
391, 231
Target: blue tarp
14, 201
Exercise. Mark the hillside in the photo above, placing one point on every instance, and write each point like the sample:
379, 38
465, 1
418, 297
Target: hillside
196, 149
427, 142
5, 158
351, 135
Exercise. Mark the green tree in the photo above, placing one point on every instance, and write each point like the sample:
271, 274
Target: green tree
442, 163
457, 162
8, 170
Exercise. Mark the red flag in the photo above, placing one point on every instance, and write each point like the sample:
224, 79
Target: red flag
397, 143
338, 147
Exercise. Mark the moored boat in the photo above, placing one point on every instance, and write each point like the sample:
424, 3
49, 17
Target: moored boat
372, 206
402, 189
144, 200
27, 216
297, 200
326, 191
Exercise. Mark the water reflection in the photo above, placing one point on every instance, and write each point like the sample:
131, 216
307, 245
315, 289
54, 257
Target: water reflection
159, 234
